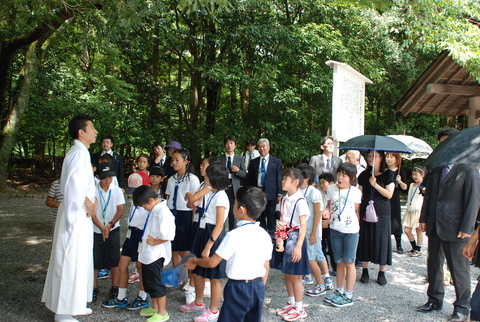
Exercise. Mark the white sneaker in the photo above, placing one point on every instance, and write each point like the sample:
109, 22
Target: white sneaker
187, 285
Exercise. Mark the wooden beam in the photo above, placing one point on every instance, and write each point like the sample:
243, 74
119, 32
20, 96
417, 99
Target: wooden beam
462, 90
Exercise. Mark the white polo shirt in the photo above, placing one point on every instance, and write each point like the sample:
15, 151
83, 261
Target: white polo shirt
212, 201
136, 216
187, 183
160, 223
246, 249
107, 205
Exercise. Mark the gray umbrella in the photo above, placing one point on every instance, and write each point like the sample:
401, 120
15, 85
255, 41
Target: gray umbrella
460, 148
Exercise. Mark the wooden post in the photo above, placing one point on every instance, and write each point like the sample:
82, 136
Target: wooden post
474, 111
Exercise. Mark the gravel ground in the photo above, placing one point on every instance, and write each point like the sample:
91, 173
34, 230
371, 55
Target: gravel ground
25, 241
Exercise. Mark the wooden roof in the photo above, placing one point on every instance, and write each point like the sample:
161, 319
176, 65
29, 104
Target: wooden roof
444, 88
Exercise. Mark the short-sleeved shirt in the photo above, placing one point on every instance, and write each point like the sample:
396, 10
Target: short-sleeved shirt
187, 183
301, 208
107, 205
57, 196
160, 223
246, 249
343, 217
137, 216
313, 196
212, 201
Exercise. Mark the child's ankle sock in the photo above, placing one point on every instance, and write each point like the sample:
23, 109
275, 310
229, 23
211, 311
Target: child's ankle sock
349, 294
341, 290
122, 293
299, 305
142, 294
291, 299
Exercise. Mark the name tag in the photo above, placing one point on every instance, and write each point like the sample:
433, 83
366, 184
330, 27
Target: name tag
129, 233
202, 223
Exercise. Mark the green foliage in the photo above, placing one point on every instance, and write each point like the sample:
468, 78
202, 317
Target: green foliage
197, 71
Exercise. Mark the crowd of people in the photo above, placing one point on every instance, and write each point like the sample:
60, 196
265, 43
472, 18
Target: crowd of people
247, 216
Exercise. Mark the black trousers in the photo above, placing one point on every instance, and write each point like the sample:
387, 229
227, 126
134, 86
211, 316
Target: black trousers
438, 251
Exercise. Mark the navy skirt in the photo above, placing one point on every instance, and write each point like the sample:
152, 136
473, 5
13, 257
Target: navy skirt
283, 260
183, 231
201, 238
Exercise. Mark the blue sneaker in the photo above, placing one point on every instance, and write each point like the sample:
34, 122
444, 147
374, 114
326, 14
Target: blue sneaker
307, 279
332, 297
110, 304
103, 273
341, 301
138, 304
328, 283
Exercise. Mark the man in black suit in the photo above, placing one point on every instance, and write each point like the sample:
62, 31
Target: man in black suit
326, 162
236, 172
265, 172
448, 216
117, 164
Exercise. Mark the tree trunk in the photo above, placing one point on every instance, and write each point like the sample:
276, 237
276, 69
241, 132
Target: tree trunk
14, 121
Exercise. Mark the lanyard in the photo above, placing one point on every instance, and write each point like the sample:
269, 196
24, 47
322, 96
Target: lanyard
340, 199
132, 213
146, 222
305, 193
208, 203
413, 195
247, 223
104, 208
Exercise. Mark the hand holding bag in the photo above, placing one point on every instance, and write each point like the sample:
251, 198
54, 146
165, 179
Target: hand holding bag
370, 212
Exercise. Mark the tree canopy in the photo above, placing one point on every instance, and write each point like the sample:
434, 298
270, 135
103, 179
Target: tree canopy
196, 71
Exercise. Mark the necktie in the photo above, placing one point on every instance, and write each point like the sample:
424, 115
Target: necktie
229, 163
444, 174
175, 193
328, 165
262, 169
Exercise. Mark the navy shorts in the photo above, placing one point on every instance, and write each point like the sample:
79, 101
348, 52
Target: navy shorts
111, 246
242, 301
152, 279
130, 246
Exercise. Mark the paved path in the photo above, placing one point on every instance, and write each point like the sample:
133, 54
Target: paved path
25, 239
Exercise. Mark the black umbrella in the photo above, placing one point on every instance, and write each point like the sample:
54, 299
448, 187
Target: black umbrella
460, 148
376, 143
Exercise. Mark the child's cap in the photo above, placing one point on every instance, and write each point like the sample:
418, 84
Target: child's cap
174, 144
104, 170
136, 180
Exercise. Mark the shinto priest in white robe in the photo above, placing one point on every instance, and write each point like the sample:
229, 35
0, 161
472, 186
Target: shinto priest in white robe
69, 283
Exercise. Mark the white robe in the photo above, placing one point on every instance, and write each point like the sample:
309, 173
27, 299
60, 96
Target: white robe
69, 283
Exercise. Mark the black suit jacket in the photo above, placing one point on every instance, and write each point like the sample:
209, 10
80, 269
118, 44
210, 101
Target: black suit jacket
452, 206
273, 176
236, 176
117, 166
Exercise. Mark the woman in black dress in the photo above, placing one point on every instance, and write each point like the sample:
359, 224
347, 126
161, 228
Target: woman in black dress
394, 160
377, 184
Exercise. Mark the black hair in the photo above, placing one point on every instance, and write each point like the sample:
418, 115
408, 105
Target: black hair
252, 199
146, 156
157, 171
327, 176
383, 165
106, 158
186, 156
308, 172
325, 138
79, 122
214, 160
446, 132
109, 137
142, 195
293, 173
218, 176
350, 170
158, 144
251, 142
230, 138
